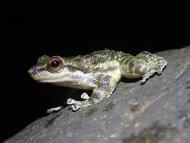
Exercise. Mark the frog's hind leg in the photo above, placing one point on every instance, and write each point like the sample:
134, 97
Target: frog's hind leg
103, 90
154, 64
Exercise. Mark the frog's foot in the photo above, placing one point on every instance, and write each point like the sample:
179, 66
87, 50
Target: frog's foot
75, 104
85, 96
55, 109
150, 73
159, 70
147, 76
144, 79
78, 104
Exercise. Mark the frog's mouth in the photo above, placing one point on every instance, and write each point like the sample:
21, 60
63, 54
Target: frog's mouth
42, 75
36, 72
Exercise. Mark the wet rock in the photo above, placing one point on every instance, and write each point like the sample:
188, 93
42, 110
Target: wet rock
158, 111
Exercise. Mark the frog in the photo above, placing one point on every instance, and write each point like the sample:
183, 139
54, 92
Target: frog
99, 71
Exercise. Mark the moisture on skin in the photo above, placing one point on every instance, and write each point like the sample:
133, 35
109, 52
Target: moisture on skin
99, 71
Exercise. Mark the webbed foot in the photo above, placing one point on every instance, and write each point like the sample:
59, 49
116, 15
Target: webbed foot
76, 105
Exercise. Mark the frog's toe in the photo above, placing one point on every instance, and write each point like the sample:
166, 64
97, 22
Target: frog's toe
75, 104
143, 81
78, 104
85, 96
55, 109
70, 101
159, 72
75, 107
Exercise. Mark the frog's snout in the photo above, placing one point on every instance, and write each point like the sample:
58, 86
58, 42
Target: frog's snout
32, 71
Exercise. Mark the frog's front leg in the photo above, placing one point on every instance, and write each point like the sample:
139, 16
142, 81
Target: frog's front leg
104, 89
56, 109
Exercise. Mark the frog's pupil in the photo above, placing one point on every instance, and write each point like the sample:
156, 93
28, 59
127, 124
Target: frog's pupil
55, 63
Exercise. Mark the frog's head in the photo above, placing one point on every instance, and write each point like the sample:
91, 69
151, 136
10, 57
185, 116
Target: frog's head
48, 69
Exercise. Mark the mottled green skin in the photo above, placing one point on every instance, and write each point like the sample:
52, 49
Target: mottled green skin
99, 71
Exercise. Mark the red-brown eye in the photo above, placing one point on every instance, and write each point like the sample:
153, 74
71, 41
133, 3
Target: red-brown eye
55, 64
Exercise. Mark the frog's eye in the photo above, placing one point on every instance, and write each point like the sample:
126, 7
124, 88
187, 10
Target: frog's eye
54, 64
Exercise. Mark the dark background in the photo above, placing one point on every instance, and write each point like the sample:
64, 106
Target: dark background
25, 39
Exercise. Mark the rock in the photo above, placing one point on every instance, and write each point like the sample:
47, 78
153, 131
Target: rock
158, 111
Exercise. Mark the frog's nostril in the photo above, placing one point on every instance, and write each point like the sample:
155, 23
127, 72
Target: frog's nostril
33, 71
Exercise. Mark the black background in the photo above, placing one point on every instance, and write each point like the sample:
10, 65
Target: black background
25, 39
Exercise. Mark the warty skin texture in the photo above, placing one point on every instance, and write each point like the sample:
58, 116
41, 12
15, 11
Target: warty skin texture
99, 71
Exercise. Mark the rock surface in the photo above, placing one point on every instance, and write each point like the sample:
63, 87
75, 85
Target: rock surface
158, 111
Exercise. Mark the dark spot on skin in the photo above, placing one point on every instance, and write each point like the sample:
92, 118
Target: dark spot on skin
73, 69
97, 59
126, 60
185, 117
95, 95
135, 108
107, 78
153, 134
89, 113
102, 77
37, 69
102, 69
109, 107
50, 121
104, 82
131, 65
104, 86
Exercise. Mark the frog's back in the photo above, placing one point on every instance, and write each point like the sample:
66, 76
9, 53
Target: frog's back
103, 56
94, 60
